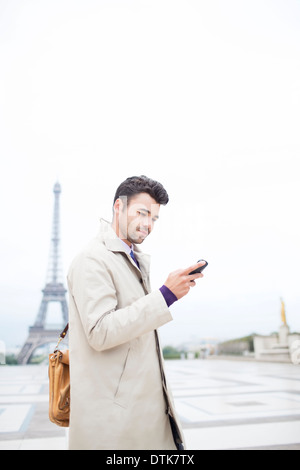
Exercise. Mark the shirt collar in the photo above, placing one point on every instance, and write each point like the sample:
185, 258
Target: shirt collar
127, 248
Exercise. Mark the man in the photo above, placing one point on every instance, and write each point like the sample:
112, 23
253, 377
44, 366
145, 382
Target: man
119, 395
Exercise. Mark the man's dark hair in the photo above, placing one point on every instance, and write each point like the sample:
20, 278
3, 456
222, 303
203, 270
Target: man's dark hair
141, 184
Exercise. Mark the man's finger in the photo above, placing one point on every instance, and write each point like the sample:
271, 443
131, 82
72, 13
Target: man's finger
195, 266
194, 277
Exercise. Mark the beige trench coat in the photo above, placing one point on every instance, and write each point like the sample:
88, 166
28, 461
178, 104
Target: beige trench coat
117, 400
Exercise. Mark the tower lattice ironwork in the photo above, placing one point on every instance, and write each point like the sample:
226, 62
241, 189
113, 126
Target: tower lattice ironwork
54, 291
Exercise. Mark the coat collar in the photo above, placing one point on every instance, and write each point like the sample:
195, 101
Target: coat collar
114, 243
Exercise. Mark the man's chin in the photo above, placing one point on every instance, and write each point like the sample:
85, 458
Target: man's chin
138, 241
138, 238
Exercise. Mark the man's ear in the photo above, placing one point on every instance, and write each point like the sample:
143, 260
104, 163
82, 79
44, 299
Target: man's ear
117, 207
120, 204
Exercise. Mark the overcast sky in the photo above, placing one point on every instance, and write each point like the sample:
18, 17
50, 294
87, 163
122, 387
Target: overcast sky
201, 95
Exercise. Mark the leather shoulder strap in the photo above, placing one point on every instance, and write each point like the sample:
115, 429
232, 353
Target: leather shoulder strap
64, 332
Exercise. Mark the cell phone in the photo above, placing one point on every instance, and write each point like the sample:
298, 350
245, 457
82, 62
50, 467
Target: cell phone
199, 270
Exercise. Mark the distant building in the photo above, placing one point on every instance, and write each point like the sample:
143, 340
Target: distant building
2, 353
237, 347
281, 347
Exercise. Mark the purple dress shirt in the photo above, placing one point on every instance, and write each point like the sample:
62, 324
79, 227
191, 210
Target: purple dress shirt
170, 298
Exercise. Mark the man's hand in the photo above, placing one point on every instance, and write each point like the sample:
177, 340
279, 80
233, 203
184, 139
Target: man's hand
180, 282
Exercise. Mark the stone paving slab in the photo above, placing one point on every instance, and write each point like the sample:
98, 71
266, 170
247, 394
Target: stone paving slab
222, 404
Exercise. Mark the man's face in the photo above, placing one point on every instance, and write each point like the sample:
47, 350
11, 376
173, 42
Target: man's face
137, 218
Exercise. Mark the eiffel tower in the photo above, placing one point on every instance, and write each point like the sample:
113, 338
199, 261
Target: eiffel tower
54, 291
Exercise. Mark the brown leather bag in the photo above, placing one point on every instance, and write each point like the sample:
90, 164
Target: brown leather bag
59, 385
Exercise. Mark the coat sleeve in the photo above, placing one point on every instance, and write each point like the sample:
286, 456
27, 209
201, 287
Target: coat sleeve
105, 325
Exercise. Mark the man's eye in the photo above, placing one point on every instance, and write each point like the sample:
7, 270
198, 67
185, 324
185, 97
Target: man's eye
143, 214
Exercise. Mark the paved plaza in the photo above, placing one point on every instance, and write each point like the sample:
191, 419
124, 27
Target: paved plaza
223, 404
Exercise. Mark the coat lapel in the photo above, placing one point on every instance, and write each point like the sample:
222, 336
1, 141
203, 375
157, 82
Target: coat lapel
113, 243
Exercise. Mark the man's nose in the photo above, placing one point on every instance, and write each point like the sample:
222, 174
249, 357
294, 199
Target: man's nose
147, 225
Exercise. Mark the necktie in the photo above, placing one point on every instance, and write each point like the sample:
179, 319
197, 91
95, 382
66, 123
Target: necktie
134, 259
